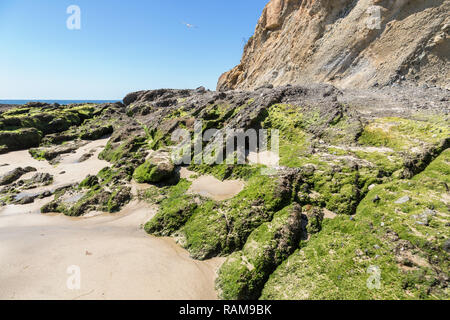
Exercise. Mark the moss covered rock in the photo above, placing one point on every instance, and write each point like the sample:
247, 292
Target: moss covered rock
401, 241
244, 273
174, 210
221, 228
14, 175
19, 139
158, 168
107, 192
96, 132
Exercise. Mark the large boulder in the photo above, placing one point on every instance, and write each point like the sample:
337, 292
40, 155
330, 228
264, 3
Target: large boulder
19, 139
244, 273
157, 168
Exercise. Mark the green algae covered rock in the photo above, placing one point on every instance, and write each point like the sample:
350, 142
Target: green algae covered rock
388, 250
219, 228
19, 139
107, 192
174, 211
244, 273
156, 169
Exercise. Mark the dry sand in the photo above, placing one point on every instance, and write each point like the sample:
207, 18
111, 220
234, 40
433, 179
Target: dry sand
267, 158
117, 259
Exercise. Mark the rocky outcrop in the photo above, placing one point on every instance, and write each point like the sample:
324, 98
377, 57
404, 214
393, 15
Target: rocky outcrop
53, 152
14, 175
19, 139
348, 43
157, 168
362, 180
244, 273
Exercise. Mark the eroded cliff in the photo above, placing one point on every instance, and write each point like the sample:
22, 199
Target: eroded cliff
347, 43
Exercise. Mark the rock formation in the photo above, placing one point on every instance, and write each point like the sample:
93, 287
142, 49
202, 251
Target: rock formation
362, 183
347, 43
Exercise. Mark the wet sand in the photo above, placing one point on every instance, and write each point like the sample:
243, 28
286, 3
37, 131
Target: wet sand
68, 171
117, 259
209, 186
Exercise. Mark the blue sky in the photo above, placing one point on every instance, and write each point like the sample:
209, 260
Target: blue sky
122, 46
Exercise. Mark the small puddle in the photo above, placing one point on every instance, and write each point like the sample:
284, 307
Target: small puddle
209, 186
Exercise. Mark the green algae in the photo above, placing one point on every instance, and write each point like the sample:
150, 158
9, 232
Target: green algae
221, 228
174, 210
403, 134
243, 274
151, 172
334, 263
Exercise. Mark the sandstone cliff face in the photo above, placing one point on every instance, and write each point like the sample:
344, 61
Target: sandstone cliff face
347, 43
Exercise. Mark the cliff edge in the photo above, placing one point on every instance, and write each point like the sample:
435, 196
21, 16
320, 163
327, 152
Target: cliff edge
347, 43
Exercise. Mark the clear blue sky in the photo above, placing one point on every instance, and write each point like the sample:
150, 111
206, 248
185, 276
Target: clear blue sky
122, 46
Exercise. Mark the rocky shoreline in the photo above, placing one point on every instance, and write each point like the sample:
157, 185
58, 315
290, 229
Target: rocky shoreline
311, 229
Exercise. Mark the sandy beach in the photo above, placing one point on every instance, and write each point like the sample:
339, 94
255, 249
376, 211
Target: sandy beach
117, 259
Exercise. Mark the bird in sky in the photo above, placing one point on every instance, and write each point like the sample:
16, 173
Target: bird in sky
189, 26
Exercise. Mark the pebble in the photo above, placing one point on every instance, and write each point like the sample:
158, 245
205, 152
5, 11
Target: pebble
403, 200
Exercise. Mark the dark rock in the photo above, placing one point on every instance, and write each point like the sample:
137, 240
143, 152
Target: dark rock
19, 139
37, 104
45, 194
89, 182
200, 90
42, 178
97, 132
130, 98
14, 175
85, 157
265, 86
58, 138
51, 153
26, 200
